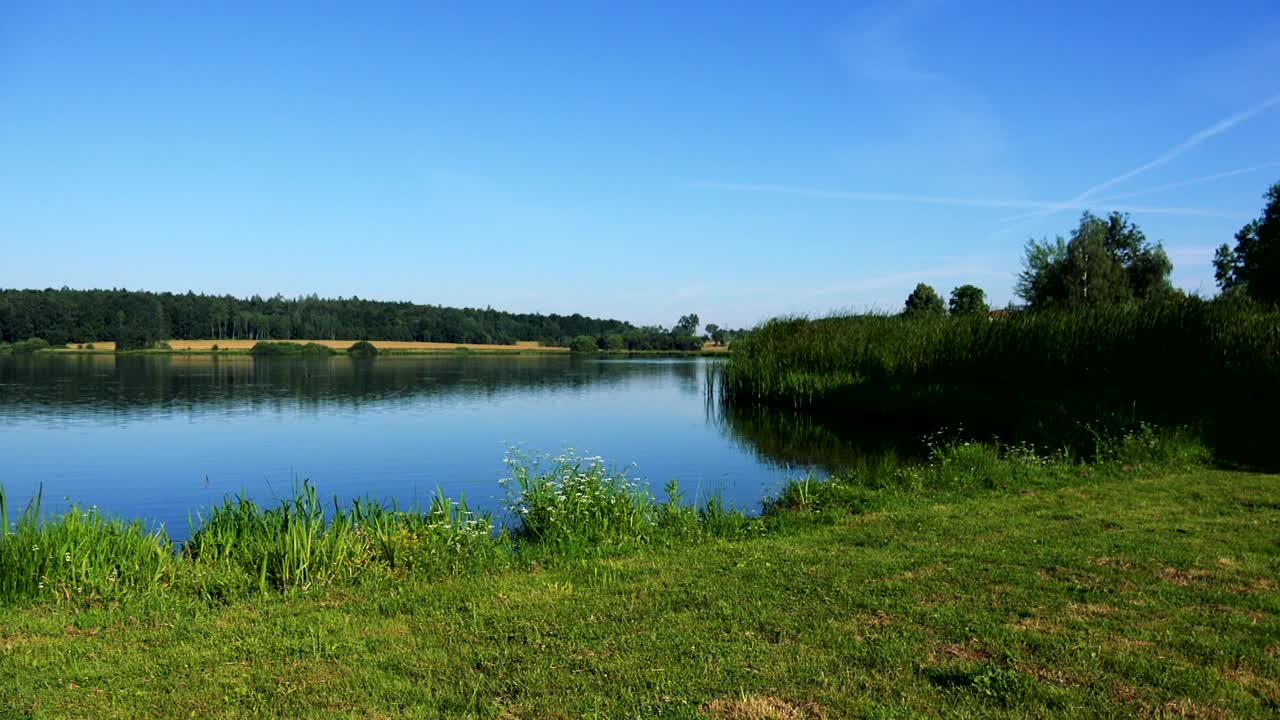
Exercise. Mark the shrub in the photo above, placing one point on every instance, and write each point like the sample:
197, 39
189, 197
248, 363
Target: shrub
29, 346
583, 344
362, 347
288, 348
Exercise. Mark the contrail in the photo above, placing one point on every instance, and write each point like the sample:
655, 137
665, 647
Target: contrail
1039, 206
1213, 130
1153, 190
1192, 181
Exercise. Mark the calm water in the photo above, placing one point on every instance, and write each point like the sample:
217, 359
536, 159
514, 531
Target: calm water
157, 437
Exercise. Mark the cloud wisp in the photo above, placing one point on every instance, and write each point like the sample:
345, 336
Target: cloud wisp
1111, 199
943, 200
1172, 154
1168, 156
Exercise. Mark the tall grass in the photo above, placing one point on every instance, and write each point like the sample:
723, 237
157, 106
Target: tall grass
79, 554
575, 504
241, 545
1189, 362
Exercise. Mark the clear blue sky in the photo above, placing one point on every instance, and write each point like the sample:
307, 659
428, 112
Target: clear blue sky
738, 160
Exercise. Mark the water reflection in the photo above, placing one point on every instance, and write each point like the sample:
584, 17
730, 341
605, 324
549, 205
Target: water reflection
158, 436
86, 387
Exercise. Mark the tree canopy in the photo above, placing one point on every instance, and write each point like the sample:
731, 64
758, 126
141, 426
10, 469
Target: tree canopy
968, 300
1253, 265
924, 300
1105, 262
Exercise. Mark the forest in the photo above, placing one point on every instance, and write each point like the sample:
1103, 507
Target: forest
139, 319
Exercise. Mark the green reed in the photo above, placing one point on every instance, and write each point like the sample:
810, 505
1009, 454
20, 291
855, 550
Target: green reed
79, 554
1191, 362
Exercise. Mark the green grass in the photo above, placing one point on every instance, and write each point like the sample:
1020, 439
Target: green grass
989, 581
984, 584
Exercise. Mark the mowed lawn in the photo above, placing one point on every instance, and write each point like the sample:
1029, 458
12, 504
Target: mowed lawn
1112, 596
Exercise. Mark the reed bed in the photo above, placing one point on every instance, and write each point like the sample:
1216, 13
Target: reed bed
1194, 362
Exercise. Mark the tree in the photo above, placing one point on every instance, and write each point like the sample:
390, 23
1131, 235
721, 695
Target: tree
583, 344
924, 301
968, 300
1105, 262
687, 325
1253, 265
716, 333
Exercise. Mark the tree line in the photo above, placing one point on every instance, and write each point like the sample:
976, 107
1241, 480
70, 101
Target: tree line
138, 319
1110, 262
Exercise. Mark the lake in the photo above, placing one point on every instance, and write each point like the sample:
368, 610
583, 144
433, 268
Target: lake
157, 437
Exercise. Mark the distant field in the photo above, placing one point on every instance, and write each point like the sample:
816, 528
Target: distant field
198, 345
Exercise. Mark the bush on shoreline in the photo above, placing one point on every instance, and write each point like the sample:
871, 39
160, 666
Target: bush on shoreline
288, 348
28, 346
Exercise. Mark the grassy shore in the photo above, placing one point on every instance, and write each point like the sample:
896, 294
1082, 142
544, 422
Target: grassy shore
985, 583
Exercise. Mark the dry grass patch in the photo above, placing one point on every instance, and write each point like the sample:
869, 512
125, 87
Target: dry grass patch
761, 707
1184, 708
967, 653
1181, 578
1037, 624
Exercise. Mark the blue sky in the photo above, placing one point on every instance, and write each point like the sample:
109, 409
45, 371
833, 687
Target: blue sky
739, 160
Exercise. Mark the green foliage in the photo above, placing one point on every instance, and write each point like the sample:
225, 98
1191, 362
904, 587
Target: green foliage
289, 348
614, 343
924, 301
362, 347
29, 346
1105, 262
968, 300
687, 325
1254, 263
583, 344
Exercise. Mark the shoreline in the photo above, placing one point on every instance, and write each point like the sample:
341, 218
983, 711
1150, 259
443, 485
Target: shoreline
980, 584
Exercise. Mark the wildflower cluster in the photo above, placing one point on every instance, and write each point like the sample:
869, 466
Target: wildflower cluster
568, 499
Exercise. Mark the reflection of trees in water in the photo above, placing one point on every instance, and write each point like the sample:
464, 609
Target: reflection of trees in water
87, 384
796, 440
